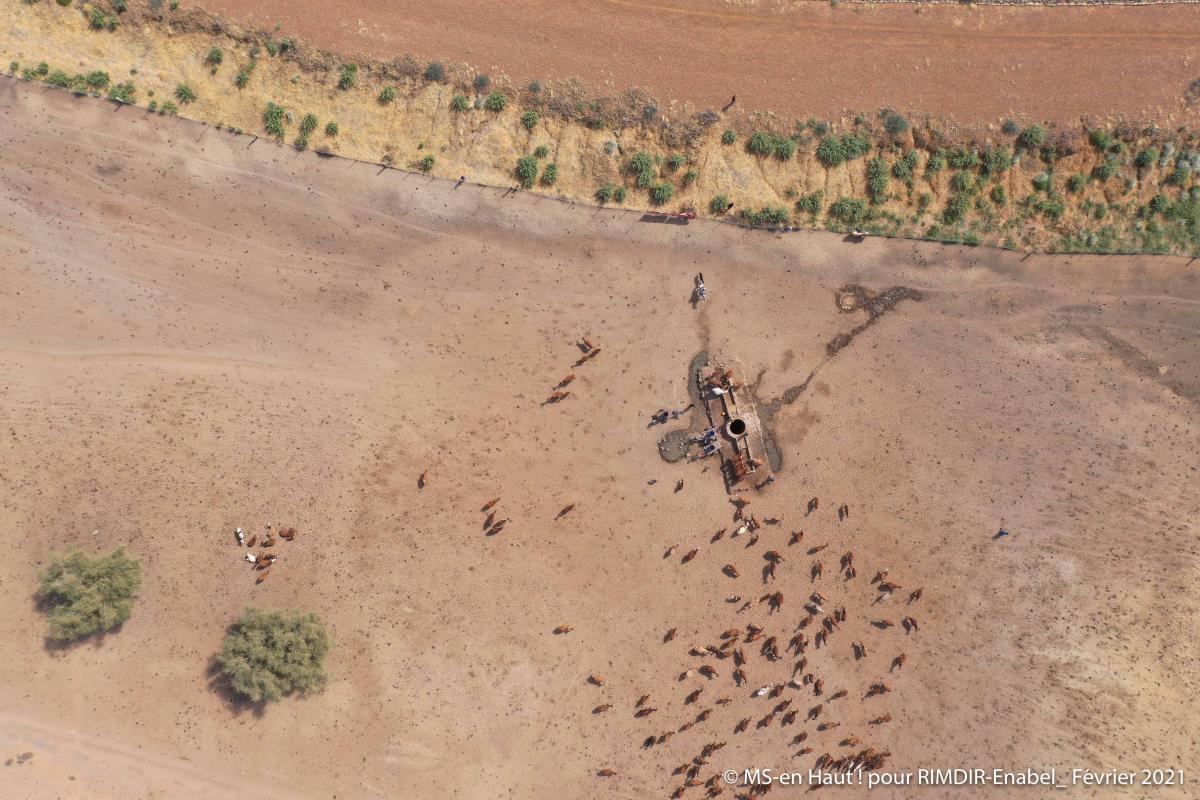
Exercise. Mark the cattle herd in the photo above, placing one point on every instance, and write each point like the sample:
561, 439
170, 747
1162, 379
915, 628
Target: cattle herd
771, 671
262, 560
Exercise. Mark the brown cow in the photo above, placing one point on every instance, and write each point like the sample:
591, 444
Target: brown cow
645, 712
915, 595
561, 629
600, 709
689, 556
910, 624
596, 680
567, 509
606, 773
423, 479
730, 570
898, 662
566, 380
263, 575
488, 505
641, 701
669, 635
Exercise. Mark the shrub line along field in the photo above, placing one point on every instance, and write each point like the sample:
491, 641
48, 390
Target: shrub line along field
199, 335
1123, 188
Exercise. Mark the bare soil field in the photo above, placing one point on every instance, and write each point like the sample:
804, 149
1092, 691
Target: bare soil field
200, 331
969, 64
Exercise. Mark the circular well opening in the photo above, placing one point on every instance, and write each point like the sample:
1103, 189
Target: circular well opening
737, 427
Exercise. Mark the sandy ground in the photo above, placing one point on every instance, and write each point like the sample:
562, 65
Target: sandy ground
972, 65
198, 332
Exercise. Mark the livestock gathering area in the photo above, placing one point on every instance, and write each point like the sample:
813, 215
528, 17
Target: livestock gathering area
539, 557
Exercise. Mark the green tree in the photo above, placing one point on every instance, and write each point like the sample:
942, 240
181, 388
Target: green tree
267, 655
85, 595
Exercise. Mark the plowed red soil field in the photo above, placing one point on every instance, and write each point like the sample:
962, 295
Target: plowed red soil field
972, 65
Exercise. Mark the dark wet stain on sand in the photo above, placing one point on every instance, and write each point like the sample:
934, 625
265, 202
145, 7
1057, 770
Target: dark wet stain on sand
849, 298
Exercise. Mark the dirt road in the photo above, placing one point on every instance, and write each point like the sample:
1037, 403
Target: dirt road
973, 65
198, 331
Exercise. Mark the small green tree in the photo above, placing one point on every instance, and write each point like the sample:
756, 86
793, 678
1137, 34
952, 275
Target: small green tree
459, 103
719, 204
348, 77
388, 95
215, 57
331, 129
267, 655
85, 595
832, 151
529, 119
550, 174
728, 137
1032, 137
605, 192
184, 93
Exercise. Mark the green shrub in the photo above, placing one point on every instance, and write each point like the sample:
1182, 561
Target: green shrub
482, 82
961, 182
810, 204
267, 655
675, 161
662, 192
1076, 183
273, 119
605, 192
152, 105
99, 19
122, 92
963, 158
184, 93
13, 66
1010, 128
541, 151
728, 137
957, 208
818, 126
243, 76
904, 167
387, 95
877, 180
784, 148
435, 72
272, 48
689, 178
1032, 137
550, 174
426, 163
42, 69
999, 196
59, 78
96, 79
894, 124
936, 162
1107, 168
996, 161
85, 596
1147, 157
856, 144
527, 170
459, 103
301, 142
1100, 139
331, 129
308, 124
1041, 181
719, 204
832, 151
496, 101
760, 144
215, 57
619, 194
529, 119
120, 6
168, 108
849, 210
348, 77
767, 215
642, 168
63, 3
1050, 207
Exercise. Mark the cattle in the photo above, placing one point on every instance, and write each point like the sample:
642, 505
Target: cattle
730, 570
561, 629
423, 479
240, 535
263, 575
689, 556
488, 505
596, 680
606, 773
566, 380
641, 701
915, 595
600, 709
669, 635
645, 712
567, 509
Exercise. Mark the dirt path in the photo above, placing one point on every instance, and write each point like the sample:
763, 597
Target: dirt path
970, 64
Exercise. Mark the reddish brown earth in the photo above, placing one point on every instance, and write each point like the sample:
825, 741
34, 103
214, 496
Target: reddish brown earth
969, 64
